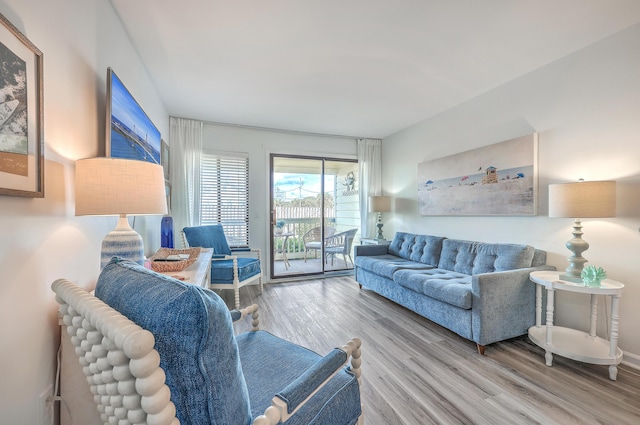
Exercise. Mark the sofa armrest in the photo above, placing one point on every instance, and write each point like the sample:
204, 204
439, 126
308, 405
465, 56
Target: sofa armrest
503, 304
370, 250
299, 392
252, 310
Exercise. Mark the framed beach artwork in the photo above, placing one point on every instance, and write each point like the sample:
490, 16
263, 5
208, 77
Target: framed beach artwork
21, 115
500, 179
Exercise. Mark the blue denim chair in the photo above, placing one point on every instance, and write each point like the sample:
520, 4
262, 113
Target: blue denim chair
158, 350
228, 270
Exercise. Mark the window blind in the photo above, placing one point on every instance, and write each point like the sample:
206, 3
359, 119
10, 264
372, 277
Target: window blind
225, 195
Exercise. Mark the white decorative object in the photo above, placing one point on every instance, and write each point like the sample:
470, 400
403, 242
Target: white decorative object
572, 343
111, 186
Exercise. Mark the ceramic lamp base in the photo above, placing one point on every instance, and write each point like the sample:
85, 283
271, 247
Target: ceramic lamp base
379, 236
123, 242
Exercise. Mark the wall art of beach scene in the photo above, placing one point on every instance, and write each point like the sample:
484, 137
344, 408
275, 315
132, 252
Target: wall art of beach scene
500, 179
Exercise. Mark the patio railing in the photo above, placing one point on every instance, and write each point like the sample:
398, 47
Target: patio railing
298, 221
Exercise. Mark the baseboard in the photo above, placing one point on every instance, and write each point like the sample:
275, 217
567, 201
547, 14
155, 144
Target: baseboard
632, 360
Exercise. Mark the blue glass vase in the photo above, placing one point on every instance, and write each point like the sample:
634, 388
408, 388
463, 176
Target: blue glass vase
166, 232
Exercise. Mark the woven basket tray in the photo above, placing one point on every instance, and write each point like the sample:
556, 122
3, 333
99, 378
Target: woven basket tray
173, 266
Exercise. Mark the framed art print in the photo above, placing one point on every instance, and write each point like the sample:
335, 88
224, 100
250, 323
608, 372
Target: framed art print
500, 179
21, 114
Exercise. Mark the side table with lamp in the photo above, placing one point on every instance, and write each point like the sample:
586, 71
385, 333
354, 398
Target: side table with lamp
596, 199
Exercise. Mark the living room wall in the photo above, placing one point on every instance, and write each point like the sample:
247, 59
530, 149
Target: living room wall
585, 108
42, 240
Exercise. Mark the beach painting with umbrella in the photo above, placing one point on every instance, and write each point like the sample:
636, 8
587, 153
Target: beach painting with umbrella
500, 179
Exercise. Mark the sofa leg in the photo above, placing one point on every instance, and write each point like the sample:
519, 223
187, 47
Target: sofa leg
481, 349
360, 285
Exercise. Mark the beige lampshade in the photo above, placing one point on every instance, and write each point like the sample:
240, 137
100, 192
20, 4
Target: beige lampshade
114, 186
583, 199
379, 204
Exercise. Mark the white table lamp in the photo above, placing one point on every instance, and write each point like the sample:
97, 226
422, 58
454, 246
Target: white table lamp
581, 200
379, 204
113, 186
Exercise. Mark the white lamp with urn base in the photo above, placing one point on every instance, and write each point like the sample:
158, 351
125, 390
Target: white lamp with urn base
595, 199
114, 186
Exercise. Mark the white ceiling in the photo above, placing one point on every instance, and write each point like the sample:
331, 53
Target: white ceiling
364, 68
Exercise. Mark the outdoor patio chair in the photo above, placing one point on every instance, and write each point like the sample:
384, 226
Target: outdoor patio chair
340, 243
313, 239
156, 350
228, 270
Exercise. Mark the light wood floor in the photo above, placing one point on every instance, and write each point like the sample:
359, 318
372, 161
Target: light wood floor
416, 372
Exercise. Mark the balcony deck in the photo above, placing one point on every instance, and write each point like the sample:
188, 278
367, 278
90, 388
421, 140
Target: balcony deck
312, 265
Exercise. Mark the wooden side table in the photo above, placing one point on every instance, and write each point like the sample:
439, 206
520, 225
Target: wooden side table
572, 343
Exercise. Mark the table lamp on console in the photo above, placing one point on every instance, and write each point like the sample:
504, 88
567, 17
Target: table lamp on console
595, 199
114, 186
379, 204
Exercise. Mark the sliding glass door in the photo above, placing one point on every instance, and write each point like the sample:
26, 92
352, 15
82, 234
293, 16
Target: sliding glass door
314, 213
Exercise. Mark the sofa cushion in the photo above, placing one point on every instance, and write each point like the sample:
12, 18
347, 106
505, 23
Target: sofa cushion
444, 285
386, 265
423, 248
194, 336
470, 258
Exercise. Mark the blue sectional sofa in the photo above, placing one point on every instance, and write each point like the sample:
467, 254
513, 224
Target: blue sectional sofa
480, 291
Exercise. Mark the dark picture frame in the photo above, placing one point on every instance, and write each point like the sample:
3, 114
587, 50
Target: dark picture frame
21, 114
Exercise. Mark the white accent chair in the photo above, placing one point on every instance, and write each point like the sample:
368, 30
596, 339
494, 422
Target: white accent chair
158, 351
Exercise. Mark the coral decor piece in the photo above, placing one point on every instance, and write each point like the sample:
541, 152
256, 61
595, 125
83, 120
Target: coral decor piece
593, 276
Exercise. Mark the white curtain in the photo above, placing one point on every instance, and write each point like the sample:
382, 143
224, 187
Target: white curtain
370, 173
185, 147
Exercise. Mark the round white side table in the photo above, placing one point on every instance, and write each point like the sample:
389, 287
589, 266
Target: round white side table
572, 343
